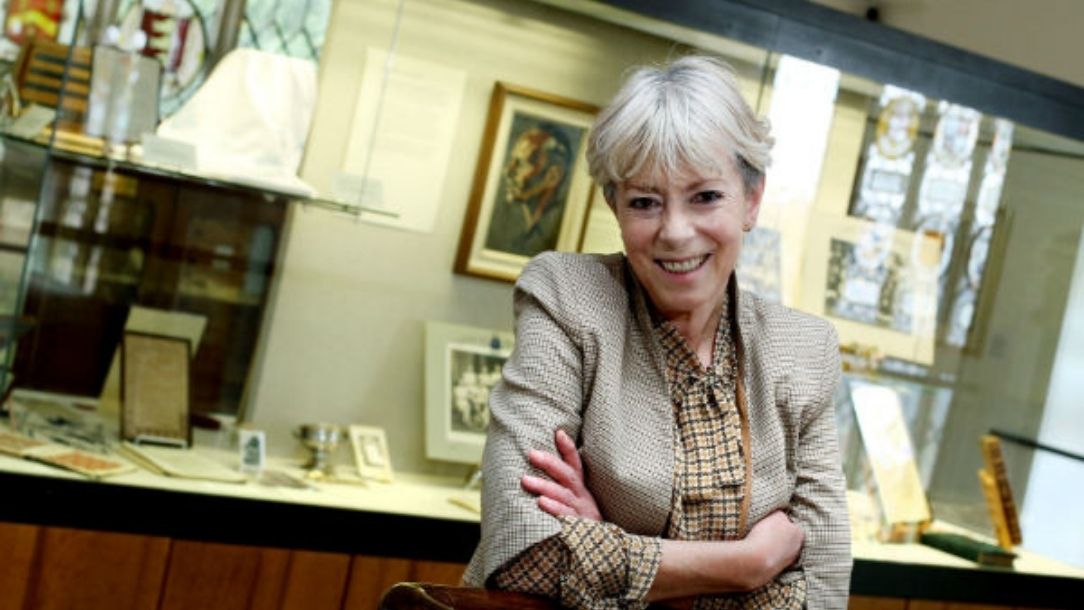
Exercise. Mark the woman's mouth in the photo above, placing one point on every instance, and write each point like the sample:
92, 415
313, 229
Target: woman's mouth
685, 265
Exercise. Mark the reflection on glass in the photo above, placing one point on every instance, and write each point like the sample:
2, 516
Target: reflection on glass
176, 33
890, 158
296, 28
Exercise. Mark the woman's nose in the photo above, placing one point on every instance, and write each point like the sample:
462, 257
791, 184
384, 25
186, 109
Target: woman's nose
677, 226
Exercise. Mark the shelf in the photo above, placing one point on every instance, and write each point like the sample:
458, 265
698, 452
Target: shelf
85, 157
154, 249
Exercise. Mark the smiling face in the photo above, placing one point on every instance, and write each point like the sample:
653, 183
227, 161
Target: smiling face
682, 233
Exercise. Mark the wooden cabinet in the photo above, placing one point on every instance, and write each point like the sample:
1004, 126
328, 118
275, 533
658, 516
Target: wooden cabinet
61, 568
227, 577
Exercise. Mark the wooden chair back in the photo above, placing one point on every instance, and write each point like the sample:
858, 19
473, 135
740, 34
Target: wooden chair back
422, 596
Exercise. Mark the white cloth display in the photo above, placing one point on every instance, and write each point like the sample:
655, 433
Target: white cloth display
250, 119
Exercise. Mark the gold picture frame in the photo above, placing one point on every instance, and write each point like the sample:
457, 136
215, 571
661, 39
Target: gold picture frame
531, 188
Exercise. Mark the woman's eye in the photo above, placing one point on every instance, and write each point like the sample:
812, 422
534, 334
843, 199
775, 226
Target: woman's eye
641, 203
707, 196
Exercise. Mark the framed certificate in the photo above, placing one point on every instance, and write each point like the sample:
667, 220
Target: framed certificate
155, 389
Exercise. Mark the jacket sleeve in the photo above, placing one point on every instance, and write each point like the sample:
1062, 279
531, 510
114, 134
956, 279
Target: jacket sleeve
819, 503
590, 565
539, 392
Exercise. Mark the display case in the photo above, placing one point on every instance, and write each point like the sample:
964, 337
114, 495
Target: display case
923, 199
110, 237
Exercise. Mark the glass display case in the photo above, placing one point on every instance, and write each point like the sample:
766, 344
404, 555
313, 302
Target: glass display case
96, 224
924, 200
936, 230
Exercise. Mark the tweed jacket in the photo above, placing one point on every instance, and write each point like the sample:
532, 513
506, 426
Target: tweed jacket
587, 360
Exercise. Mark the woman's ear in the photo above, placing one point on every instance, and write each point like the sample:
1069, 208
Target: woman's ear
752, 205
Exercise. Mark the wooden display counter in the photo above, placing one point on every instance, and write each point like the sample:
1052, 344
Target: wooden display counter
145, 541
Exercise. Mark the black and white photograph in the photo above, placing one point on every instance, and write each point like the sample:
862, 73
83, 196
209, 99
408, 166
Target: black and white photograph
462, 365
473, 376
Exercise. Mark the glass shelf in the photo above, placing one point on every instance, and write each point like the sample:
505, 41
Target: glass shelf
87, 155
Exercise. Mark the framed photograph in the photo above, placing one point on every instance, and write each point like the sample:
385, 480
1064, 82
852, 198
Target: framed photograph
531, 187
462, 364
155, 389
877, 284
371, 453
253, 450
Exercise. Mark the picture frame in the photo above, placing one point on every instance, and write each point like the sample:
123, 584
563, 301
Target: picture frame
370, 446
155, 389
252, 450
877, 284
531, 190
462, 365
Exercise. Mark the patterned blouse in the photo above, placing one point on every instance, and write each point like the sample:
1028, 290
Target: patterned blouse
597, 566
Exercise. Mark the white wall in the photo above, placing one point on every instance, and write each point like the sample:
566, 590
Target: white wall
1040, 35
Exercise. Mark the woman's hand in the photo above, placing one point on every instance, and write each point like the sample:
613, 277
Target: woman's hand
774, 544
566, 494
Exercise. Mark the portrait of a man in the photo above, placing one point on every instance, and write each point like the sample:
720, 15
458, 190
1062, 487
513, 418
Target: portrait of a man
534, 185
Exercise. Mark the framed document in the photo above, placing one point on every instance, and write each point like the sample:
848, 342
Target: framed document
155, 392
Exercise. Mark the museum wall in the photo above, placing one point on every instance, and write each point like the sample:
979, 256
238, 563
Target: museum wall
344, 341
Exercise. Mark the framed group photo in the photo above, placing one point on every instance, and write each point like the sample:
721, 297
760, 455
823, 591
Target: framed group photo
531, 189
462, 364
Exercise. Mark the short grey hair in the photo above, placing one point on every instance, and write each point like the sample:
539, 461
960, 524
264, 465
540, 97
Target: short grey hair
665, 118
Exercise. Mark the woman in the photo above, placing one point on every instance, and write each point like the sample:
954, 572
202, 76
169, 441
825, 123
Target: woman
703, 416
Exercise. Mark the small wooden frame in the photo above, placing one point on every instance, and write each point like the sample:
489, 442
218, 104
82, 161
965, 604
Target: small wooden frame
155, 389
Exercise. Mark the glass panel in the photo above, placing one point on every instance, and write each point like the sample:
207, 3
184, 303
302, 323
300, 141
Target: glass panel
118, 244
291, 27
942, 242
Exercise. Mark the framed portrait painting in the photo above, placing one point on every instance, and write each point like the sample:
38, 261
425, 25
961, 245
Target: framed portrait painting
531, 189
462, 365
